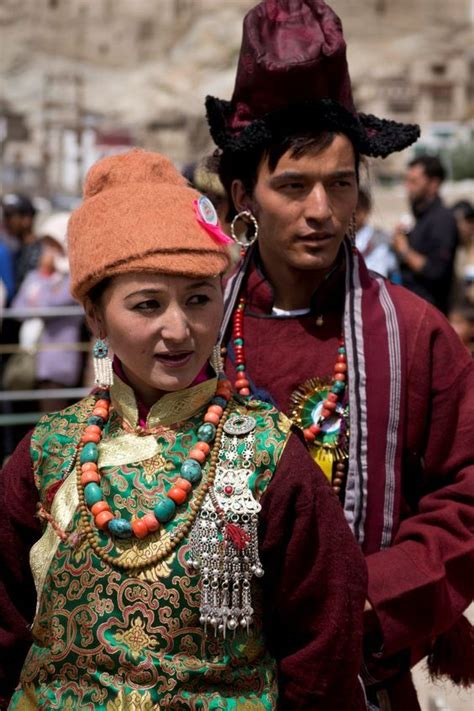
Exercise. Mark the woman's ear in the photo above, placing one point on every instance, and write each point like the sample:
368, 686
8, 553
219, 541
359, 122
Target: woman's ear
240, 196
94, 319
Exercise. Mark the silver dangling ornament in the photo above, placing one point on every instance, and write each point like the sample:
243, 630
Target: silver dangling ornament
242, 240
103, 371
216, 360
224, 537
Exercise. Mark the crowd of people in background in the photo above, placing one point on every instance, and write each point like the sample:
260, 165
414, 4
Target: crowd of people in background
432, 255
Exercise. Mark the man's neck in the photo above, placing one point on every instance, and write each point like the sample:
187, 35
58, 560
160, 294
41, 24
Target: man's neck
293, 288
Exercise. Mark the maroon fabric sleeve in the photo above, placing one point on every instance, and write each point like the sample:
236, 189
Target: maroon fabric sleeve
19, 529
314, 588
420, 586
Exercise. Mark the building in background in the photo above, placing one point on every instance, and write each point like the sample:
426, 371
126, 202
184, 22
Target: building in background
79, 73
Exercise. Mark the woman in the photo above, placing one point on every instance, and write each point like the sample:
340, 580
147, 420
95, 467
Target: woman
155, 588
48, 286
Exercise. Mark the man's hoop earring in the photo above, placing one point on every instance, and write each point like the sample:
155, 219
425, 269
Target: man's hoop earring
245, 215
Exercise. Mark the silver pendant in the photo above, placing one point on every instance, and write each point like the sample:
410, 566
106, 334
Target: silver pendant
239, 425
228, 563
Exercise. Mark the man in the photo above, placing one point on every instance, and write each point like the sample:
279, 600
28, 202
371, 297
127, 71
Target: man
427, 252
373, 243
375, 376
18, 236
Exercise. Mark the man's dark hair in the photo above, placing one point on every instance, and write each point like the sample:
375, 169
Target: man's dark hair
244, 165
364, 201
432, 166
464, 210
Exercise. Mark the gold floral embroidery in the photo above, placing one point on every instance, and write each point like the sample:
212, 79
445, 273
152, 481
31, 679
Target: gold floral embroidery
136, 638
135, 701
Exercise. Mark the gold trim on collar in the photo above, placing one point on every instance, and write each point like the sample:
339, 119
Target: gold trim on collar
171, 408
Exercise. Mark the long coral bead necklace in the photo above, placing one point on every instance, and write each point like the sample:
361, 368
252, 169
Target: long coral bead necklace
91, 500
330, 404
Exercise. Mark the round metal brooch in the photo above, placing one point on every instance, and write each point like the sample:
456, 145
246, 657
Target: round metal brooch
239, 425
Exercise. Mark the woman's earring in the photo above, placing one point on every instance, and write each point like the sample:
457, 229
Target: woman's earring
216, 360
103, 372
243, 240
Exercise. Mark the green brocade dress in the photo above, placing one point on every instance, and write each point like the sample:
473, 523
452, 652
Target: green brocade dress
106, 640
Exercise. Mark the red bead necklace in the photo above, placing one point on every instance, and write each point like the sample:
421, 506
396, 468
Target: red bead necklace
338, 384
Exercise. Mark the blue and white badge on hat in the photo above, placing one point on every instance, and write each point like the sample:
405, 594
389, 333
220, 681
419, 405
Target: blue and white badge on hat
207, 211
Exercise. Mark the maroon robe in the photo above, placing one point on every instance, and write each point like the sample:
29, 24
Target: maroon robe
419, 585
314, 583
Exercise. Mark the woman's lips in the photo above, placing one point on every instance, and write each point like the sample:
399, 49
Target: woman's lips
174, 360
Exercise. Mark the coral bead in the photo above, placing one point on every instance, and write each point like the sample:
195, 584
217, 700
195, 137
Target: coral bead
102, 519
340, 376
151, 521
244, 391
90, 437
308, 435
100, 412
325, 412
217, 409
203, 446
341, 358
177, 495
340, 368
93, 428
332, 397
90, 476
140, 528
183, 484
89, 467
100, 506
102, 403
198, 455
315, 429
241, 383
211, 417
329, 405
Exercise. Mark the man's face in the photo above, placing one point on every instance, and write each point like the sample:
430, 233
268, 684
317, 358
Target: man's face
17, 224
305, 205
420, 188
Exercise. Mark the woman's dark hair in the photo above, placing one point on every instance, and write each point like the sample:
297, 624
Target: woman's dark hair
96, 293
244, 166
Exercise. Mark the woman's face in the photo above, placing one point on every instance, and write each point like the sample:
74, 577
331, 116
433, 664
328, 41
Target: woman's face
161, 327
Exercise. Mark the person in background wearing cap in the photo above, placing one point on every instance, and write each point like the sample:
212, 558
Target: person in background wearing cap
192, 555
48, 286
375, 376
17, 234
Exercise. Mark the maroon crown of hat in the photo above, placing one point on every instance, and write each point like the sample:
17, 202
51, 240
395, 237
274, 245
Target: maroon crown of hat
292, 51
293, 69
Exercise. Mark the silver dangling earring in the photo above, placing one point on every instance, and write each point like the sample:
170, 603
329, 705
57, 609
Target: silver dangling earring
216, 360
351, 233
103, 372
245, 215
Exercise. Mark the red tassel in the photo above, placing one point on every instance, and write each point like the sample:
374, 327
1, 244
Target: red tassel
237, 535
452, 654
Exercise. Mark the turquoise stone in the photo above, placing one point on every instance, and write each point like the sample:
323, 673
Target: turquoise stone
120, 528
219, 401
338, 387
238, 342
341, 350
103, 395
92, 494
164, 510
89, 453
207, 432
191, 470
240, 368
95, 420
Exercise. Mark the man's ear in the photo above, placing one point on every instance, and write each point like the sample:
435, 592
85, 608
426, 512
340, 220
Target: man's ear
240, 196
94, 319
